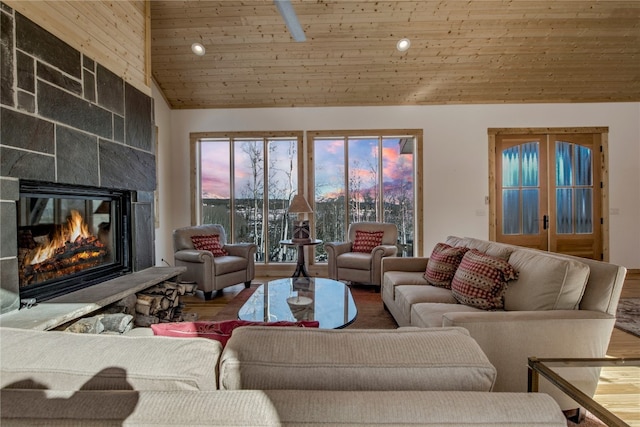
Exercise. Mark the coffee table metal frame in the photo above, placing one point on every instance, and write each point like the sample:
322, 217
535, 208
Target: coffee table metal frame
544, 367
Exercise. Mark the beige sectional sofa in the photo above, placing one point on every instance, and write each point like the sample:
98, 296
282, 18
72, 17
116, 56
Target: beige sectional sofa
268, 376
559, 306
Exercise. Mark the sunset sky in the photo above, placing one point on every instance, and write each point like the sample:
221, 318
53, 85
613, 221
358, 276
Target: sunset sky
329, 170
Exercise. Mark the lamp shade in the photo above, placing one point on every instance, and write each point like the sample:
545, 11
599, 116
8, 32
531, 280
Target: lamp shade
299, 205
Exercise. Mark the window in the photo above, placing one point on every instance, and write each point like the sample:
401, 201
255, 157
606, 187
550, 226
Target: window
365, 176
246, 182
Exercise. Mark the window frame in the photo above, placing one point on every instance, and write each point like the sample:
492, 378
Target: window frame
418, 177
196, 173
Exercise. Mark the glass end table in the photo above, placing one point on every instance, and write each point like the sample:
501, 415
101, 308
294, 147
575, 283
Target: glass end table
629, 380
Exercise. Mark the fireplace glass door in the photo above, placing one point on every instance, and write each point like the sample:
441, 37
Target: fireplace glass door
69, 238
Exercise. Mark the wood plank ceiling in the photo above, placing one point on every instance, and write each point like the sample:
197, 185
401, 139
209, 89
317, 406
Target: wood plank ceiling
465, 52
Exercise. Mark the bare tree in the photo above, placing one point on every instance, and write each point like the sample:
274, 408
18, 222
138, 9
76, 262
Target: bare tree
255, 188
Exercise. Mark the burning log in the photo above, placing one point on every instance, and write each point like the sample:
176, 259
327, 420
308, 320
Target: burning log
72, 249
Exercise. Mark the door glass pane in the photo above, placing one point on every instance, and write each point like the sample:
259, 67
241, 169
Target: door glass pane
363, 179
510, 211
564, 211
530, 164
530, 200
520, 203
248, 177
584, 210
583, 166
215, 186
511, 167
564, 164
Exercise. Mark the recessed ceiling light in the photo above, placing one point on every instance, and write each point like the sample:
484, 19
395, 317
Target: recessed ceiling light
403, 45
198, 49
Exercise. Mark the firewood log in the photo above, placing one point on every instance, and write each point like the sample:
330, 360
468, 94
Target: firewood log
143, 309
146, 304
190, 287
146, 321
119, 322
88, 325
181, 288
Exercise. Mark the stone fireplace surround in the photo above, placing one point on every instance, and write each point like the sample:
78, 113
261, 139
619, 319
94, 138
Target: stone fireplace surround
67, 119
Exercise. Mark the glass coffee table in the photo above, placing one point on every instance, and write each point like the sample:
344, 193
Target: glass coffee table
293, 299
620, 374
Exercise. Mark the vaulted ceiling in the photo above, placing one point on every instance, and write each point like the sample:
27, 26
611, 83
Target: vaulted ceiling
462, 52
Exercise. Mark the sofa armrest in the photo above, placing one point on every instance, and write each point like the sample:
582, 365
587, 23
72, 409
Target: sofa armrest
193, 255
377, 255
500, 317
244, 250
384, 251
338, 248
404, 264
548, 333
333, 250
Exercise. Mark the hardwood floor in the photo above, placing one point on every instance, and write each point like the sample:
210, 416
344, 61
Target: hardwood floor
208, 309
620, 396
623, 344
619, 388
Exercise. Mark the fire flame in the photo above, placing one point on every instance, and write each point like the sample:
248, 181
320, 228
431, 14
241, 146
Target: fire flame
75, 229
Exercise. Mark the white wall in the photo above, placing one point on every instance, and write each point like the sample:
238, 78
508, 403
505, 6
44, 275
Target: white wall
455, 158
163, 249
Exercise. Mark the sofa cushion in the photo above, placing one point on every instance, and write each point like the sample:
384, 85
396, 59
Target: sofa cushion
210, 242
481, 279
279, 408
67, 361
219, 331
430, 314
495, 249
229, 264
545, 282
400, 278
443, 263
407, 296
354, 260
350, 359
365, 241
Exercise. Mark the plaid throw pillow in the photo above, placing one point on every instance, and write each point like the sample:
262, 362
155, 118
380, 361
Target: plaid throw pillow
209, 243
365, 241
481, 280
443, 263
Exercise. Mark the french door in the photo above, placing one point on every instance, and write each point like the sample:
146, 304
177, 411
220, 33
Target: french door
548, 192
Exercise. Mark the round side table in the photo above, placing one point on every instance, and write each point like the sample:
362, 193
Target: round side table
301, 269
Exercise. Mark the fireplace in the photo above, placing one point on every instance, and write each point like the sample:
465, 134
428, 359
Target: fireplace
70, 237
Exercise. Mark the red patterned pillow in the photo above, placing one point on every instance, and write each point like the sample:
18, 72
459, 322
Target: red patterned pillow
481, 280
365, 241
219, 331
209, 242
443, 263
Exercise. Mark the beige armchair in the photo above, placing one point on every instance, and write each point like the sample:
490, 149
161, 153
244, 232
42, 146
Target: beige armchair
361, 267
213, 273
